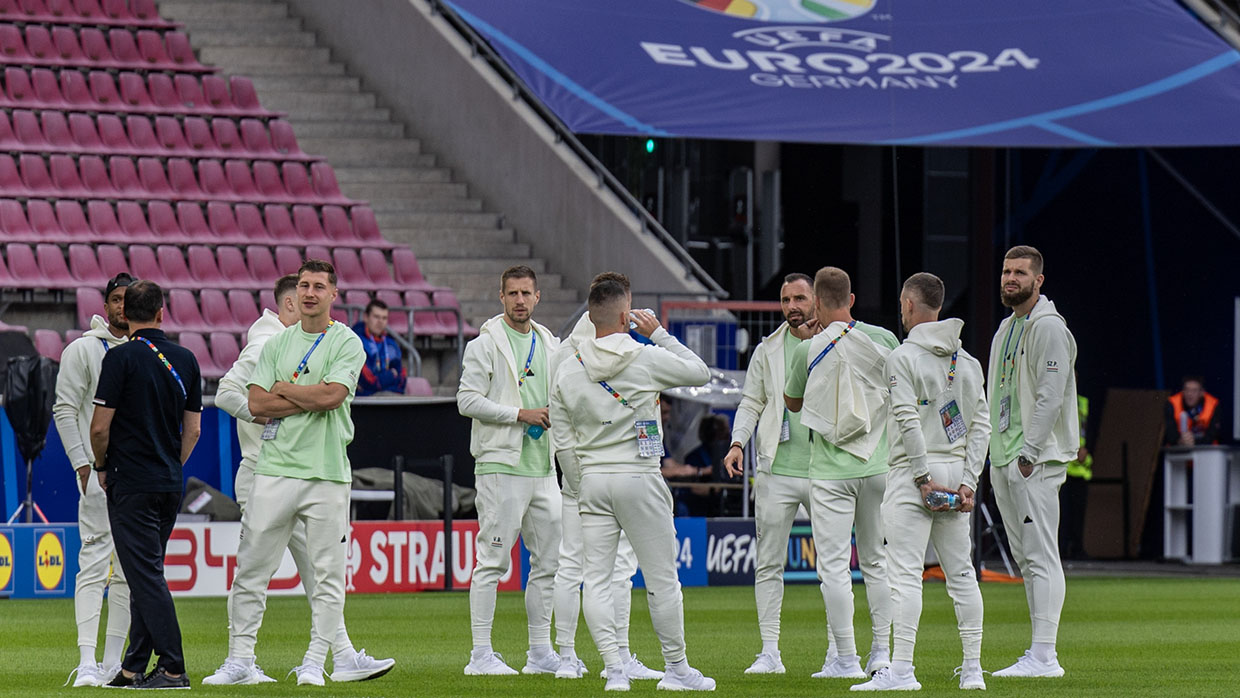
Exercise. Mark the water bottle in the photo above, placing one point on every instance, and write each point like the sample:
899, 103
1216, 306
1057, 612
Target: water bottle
937, 498
535, 431
633, 325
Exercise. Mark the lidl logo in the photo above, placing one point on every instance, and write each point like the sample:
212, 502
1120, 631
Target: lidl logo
799, 11
49, 560
6, 563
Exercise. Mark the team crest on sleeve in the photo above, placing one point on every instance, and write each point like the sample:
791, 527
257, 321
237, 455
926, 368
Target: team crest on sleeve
891, 381
1052, 367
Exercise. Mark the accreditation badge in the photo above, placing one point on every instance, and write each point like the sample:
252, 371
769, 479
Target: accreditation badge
953, 421
1005, 412
785, 428
649, 440
270, 430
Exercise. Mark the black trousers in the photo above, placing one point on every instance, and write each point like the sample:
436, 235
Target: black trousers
141, 525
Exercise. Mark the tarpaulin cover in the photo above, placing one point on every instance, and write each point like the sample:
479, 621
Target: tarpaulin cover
949, 72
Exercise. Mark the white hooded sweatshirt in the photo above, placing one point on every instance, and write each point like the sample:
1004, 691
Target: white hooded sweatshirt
603, 428
846, 393
565, 451
918, 373
80, 364
234, 397
762, 400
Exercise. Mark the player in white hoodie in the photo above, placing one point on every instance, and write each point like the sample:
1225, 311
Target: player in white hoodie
607, 403
939, 430
504, 389
1035, 433
75, 393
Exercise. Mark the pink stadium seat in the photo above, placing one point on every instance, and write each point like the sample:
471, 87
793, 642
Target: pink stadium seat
337, 228
89, 303
164, 93
198, 134
288, 261
284, 141
348, 268
307, 223
405, 266
262, 267
72, 335
48, 343
189, 91
95, 48
181, 54
134, 227
145, 11
164, 223
154, 180
133, 93
214, 184
224, 350
426, 322
143, 265
35, 175
65, 41
364, 226
184, 182
417, 386
244, 309
232, 268
125, 179
198, 346
56, 131
297, 183
255, 137
244, 96
223, 225
216, 92
124, 48
398, 320
13, 222
280, 224
73, 221
111, 261
29, 133
339, 315
445, 297
116, 10
112, 134
250, 224
225, 138
76, 92
84, 133
151, 47
8, 140
46, 89
43, 222
39, 44
95, 176
267, 180
85, 267
172, 263
237, 172
325, 186
103, 89
65, 179
7, 280
376, 268
10, 180
193, 223
12, 45
319, 252
184, 311
103, 221
215, 309
23, 267
168, 138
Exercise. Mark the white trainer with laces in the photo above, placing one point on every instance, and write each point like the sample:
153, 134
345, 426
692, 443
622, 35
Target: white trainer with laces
636, 671
108, 673
616, 680
234, 673
971, 679
766, 663
361, 667
886, 679
545, 663
308, 674
880, 657
570, 668
87, 675
842, 668
488, 665
1028, 666
689, 680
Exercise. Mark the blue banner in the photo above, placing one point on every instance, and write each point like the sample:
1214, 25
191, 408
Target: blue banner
954, 72
38, 561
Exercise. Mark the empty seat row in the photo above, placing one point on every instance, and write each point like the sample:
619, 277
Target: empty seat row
121, 13
119, 49
137, 135
233, 311
129, 92
65, 221
425, 322
260, 181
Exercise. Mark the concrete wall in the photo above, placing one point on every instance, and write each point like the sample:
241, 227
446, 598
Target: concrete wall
465, 114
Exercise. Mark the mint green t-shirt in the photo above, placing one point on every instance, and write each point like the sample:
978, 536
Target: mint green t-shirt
311, 445
1005, 446
828, 462
535, 453
792, 456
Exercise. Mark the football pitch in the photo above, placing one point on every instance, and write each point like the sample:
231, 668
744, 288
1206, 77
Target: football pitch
1119, 637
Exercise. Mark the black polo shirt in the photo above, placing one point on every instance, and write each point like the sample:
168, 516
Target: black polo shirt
144, 448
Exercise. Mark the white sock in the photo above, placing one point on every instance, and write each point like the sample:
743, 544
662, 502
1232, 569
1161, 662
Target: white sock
771, 648
481, 652
625, 653
568, 653
540, 651
243, 661
113, 649
679, 668
86, 654
972, 664
343, 657
902, 668
1044, 652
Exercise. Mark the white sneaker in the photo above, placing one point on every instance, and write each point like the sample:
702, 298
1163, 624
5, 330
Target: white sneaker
108, 673
690, 680
234, 673
636, 671
87, 675
616, 680
971, 679
570, 668
308, 674
1029, 667
489, 665
842, 668
766, 663
887, 680
548, 663
360, 668
880, 658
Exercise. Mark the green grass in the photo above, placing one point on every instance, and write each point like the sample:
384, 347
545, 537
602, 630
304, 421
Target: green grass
1119, 637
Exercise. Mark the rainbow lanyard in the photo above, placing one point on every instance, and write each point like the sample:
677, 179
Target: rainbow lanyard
1003, 370
306, 359
529, 360
951, 376
831, 346
610, 390
167, 365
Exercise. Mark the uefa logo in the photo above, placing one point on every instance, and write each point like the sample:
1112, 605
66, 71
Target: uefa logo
790, 11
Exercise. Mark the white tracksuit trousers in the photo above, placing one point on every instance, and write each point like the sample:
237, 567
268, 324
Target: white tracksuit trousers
909, 526
97, 556
838, 505
341, 645
640, 505
569, 575
276, 507
777, 499
508, 506
1030, 511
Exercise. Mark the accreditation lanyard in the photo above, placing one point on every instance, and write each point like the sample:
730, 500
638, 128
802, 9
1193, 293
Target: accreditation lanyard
1003, 370
831, 346
167, 365
610, 390
530, 359
951, 378
301, 367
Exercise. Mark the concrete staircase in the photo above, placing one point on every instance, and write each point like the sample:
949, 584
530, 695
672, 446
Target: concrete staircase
458, 243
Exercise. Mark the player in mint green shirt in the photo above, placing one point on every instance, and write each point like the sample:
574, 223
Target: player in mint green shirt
792, 456
1005, 445
535, 453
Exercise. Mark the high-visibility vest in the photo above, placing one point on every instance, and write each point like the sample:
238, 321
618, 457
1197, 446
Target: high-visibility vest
1082, 469
1202, 421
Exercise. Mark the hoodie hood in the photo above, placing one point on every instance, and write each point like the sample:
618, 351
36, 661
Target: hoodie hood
607, 356
99, 330
940, 338
582, 332
1044, 308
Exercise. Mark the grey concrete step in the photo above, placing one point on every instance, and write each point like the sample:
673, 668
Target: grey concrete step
425, 206
209, 38
243, 24
491, 307
447, 248
485, 287
307, 83
393, 175
442, 266
303, 100
185, 10
346, 129
391, 219
463, 238
377, 114
242, 55
362, 151
253, 69
377, 191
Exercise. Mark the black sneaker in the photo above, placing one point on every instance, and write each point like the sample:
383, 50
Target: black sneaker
160, 679
122, 681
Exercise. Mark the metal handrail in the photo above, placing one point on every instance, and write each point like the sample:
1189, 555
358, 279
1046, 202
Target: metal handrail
649, 223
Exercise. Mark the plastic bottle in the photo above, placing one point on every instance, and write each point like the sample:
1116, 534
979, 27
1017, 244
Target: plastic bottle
535, 431
938, 498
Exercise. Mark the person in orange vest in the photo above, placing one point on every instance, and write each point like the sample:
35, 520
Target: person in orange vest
1192, 415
